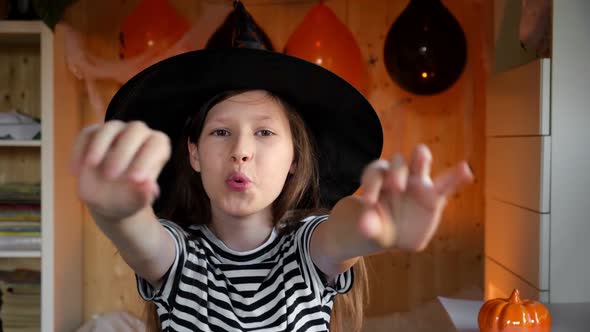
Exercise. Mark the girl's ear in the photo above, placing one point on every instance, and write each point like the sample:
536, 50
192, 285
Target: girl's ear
194, 156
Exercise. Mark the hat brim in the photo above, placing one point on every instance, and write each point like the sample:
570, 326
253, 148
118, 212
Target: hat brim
345, 127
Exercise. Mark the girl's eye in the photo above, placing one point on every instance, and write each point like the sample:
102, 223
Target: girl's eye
220, 132
265, 132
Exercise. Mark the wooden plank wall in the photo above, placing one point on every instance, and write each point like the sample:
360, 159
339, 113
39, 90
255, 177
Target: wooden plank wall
19, 66
451, 123
20, 91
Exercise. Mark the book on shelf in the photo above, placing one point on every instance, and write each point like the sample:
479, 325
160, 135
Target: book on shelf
18, 211
19, 233
20, 226
20, 300
21, 188
20, 242
20, 216
23, 193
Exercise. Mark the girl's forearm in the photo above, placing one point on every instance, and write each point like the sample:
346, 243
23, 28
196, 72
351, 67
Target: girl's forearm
142, 242
338, 242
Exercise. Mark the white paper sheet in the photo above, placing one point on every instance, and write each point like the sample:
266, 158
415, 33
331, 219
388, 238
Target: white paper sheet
463, 313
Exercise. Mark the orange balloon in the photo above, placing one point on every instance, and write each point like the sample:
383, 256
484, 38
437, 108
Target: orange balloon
153, 24
323, 39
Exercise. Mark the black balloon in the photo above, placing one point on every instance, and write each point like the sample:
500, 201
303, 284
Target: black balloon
425, 49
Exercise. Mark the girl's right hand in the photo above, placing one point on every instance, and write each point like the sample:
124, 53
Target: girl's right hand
117, 164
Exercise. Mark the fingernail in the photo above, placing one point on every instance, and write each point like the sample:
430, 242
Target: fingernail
397, 160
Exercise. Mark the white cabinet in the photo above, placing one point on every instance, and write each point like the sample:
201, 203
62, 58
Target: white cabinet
537, 169
518, 162
27, 80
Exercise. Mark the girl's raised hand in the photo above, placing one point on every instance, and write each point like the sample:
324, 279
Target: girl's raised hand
402, 205
117, 165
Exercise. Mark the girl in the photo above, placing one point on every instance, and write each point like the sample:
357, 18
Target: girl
209, 175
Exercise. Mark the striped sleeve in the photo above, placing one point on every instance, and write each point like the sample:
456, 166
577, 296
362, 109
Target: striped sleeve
171, 279
312, 275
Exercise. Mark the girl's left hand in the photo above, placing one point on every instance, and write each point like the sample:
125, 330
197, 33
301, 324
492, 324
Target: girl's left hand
403, 205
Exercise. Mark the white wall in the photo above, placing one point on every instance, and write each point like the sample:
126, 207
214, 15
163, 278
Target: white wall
570, 167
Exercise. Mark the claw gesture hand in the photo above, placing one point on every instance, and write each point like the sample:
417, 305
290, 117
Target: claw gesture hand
402, 204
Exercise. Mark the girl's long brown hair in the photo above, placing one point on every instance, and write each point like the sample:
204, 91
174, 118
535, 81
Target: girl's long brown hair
300, 198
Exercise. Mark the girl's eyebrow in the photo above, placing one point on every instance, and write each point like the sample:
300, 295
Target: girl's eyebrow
263, 118
217, 120
223, 119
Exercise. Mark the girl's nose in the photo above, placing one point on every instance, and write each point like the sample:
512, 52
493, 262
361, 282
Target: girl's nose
242, 158
242, 150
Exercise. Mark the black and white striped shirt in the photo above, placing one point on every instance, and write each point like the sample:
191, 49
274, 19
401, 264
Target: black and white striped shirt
275, 287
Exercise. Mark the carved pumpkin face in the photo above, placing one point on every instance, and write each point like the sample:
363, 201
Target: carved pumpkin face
513, 315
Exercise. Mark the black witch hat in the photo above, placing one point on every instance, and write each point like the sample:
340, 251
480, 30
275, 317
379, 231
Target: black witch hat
345, 127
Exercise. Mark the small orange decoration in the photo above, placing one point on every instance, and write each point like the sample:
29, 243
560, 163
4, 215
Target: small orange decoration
513, 315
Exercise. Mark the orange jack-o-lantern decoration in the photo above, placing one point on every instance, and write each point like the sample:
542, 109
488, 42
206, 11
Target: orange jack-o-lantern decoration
153, 25
513, 315
323, 39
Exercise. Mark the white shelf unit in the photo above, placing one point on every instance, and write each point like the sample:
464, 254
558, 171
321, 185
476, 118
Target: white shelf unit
20, 143
59, 259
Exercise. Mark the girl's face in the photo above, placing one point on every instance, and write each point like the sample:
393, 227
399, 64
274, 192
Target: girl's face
244, 154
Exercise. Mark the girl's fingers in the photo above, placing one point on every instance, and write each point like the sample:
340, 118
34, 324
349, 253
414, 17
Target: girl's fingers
101, 141
146, 192
80, 147
369, 224
150, 159
372, 226
151, 192
397, 178
372, 180
397, 181
421, 162
125, 147
448, 182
